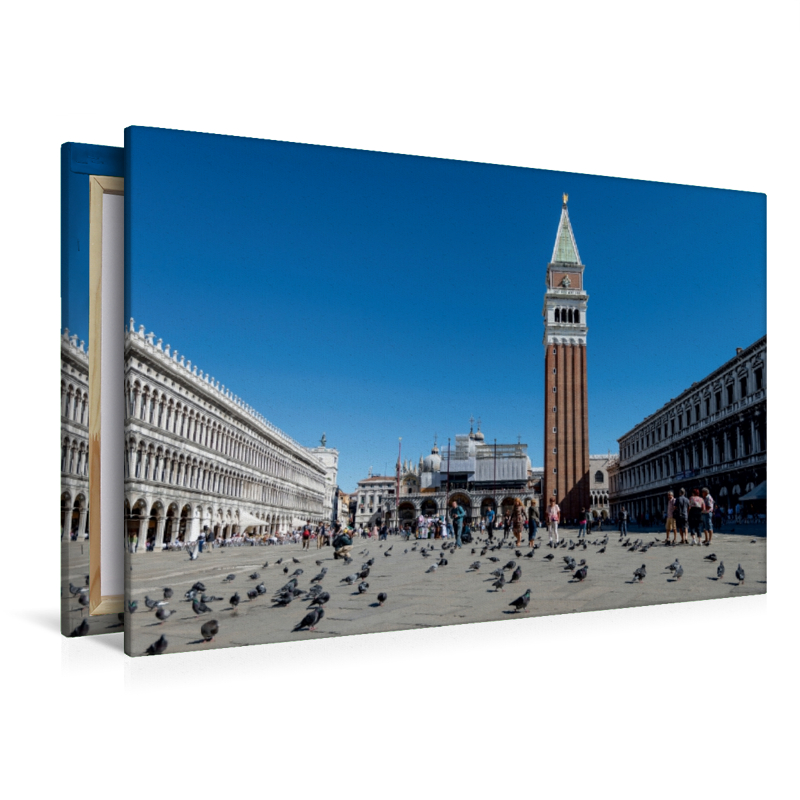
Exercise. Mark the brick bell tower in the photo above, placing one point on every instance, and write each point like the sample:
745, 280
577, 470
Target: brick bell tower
566, 412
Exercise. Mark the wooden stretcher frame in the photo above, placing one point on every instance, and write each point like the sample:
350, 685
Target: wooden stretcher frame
100, 185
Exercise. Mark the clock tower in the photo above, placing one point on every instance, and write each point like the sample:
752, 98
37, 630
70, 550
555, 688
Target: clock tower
566, 413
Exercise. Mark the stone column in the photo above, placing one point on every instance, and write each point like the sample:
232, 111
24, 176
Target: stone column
143, 523
194, 530
67, 523
82, 520
162, 521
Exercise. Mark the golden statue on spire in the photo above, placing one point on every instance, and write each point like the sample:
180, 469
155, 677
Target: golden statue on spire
566, 198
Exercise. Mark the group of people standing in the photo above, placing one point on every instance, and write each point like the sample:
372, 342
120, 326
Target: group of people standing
690, 515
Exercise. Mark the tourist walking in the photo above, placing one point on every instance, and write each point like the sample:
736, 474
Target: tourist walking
623, 521
695, 515
457, 514
553, 518
490, 523
533, 523
681, 514
517, 520
670, 520
707, 515
582, 523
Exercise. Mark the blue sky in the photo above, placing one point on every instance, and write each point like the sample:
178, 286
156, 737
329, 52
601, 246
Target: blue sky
373, 296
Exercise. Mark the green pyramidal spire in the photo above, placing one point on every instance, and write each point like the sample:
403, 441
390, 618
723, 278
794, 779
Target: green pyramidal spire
565, 250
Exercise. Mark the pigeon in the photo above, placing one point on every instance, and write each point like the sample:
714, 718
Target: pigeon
712, 557
510, 565
82, 629
516, 575
720, 571
350, 579
475, 565
229, 578
640, 573
311, 619
432, 568
500, 583
286, 570
282, 599
296, 560
168, 593
209, 630
443, 562
673, 566
199, 587
678, 572
152, 604
348, 560
73, 590
321, 576
297, 572
382, 598
362, 587
548, 557
158, 647
321, 599
261, 589
163, 614
364, 574
254, 577
602, 550
494, 559
266, 564
212, 599
521, 603
518, 553
132, 606
580, 574
83, 599
280, 560
387, 554
199, 607
740, 574
318, 563
235, 600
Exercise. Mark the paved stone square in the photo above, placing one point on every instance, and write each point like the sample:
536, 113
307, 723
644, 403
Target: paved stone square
452, 594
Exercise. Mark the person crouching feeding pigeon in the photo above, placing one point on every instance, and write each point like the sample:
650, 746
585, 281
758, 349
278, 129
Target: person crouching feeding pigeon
342, 545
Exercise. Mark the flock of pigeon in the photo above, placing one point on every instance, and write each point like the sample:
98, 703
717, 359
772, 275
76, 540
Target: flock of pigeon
316, 597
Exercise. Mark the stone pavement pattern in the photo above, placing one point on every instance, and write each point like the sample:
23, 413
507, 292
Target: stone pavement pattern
452, 594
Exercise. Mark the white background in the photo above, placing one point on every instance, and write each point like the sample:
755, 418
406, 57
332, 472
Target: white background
687, 700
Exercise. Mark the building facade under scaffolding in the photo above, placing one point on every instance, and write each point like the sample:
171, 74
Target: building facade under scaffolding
476, 474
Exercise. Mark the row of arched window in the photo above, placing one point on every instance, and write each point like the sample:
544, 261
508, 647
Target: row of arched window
149, 462
571, 315
733, 388
74, 457
74, 403
736, 441
159, 409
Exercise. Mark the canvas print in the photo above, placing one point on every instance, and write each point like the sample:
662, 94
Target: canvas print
370, 392
87, 171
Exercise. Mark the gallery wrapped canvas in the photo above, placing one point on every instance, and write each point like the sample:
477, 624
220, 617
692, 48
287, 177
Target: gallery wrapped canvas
369, 392
91, 237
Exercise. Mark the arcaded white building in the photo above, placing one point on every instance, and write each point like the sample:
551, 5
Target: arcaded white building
713, 435
200, 459
74, 436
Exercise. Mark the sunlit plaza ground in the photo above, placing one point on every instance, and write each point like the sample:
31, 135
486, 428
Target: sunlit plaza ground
452, 594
